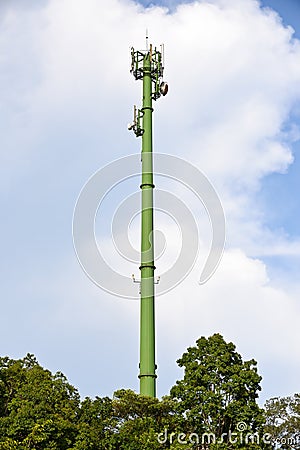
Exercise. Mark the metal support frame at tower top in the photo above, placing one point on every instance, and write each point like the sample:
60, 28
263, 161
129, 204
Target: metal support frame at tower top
148, 67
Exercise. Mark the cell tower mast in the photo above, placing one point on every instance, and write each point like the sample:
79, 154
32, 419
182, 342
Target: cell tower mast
147, 66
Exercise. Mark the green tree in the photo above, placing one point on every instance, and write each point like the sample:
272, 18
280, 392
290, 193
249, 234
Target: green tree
38, 410
142, 422
96, 425
42, 411
283, 421
218, 393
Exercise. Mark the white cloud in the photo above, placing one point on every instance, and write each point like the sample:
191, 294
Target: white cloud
240, 303
234, 76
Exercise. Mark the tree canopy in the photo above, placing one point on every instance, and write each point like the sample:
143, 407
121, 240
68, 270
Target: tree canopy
219, 390
38, 409
217, 394
283, 421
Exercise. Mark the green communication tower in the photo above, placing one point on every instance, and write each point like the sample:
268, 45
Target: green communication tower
147, 66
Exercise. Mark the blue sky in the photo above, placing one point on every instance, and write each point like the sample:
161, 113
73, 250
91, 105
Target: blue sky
285, 188
67, 97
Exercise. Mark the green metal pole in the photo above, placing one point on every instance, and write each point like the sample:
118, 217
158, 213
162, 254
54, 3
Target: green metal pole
147, 66
147, 374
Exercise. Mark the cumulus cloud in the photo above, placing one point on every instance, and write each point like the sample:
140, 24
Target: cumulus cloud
240, 302
234, 74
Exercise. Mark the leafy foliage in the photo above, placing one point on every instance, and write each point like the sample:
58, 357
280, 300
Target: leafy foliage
42, 411
283, 421
141, 419
95, 425
38, 409
218, 391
